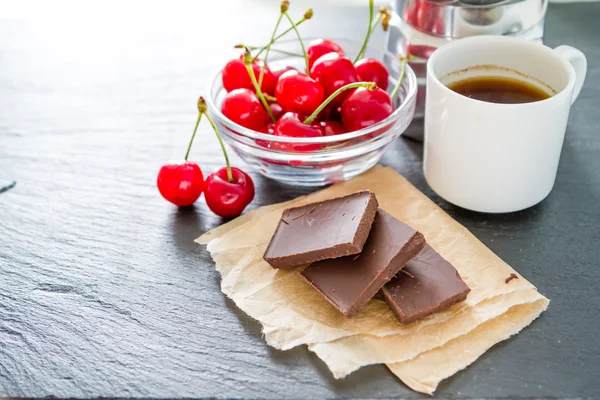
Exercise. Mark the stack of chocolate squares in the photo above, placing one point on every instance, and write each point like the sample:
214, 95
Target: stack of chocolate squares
356, 249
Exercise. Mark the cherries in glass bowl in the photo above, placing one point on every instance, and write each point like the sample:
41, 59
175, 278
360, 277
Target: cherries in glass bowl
316, 154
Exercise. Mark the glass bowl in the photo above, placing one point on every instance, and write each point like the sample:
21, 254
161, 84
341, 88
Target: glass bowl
323, 160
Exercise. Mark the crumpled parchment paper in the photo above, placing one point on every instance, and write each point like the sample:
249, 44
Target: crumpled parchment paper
421, 353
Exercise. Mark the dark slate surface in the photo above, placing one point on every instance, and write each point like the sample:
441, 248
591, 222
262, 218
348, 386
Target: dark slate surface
103, 292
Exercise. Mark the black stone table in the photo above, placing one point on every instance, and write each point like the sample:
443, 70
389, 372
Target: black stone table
103, 292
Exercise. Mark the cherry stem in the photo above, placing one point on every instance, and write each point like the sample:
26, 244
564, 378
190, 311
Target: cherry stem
369, 30
187, 153
375, 23
295, 28
262, 69
289, 53
282, 34
272, 99
212, 123
259, 93
363, 49
368, 85
400, 79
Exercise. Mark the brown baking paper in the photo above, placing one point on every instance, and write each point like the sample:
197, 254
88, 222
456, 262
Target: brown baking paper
292, 313
424, 372
348, 354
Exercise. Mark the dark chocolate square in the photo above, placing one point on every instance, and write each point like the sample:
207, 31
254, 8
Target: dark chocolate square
426, 285
318, 231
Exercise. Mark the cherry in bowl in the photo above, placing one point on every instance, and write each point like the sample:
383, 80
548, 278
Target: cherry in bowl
235, 76
320, 47
373, 70
298, 92
336, 156
334, 71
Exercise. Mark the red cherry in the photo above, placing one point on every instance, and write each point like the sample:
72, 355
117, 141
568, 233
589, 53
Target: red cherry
269, 128
276, 110
372, 70
243, 107
277, 73
365, 107
227, 198
331, 128
291, 125
299, 93
235, 76
333, 71
320, 47
180, 182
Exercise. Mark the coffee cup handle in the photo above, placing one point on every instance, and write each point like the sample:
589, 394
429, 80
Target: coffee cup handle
579, 63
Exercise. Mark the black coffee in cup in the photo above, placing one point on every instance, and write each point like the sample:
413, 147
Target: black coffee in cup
499, 89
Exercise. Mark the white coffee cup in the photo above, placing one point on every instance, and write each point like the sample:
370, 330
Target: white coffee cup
491, 157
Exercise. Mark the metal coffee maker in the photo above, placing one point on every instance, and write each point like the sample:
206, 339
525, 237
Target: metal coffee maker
421, 26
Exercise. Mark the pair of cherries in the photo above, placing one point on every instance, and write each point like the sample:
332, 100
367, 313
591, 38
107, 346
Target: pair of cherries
335, 96
227, 191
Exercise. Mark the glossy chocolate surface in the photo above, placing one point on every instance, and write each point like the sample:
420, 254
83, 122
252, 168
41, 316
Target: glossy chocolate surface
427, 284
318, 231
349, 282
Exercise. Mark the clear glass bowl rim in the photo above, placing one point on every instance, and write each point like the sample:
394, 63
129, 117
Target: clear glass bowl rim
409, 77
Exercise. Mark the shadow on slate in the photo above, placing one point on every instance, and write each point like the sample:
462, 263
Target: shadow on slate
185, 223
415, 147
249, 324
369, 373
272, 192
517, 218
